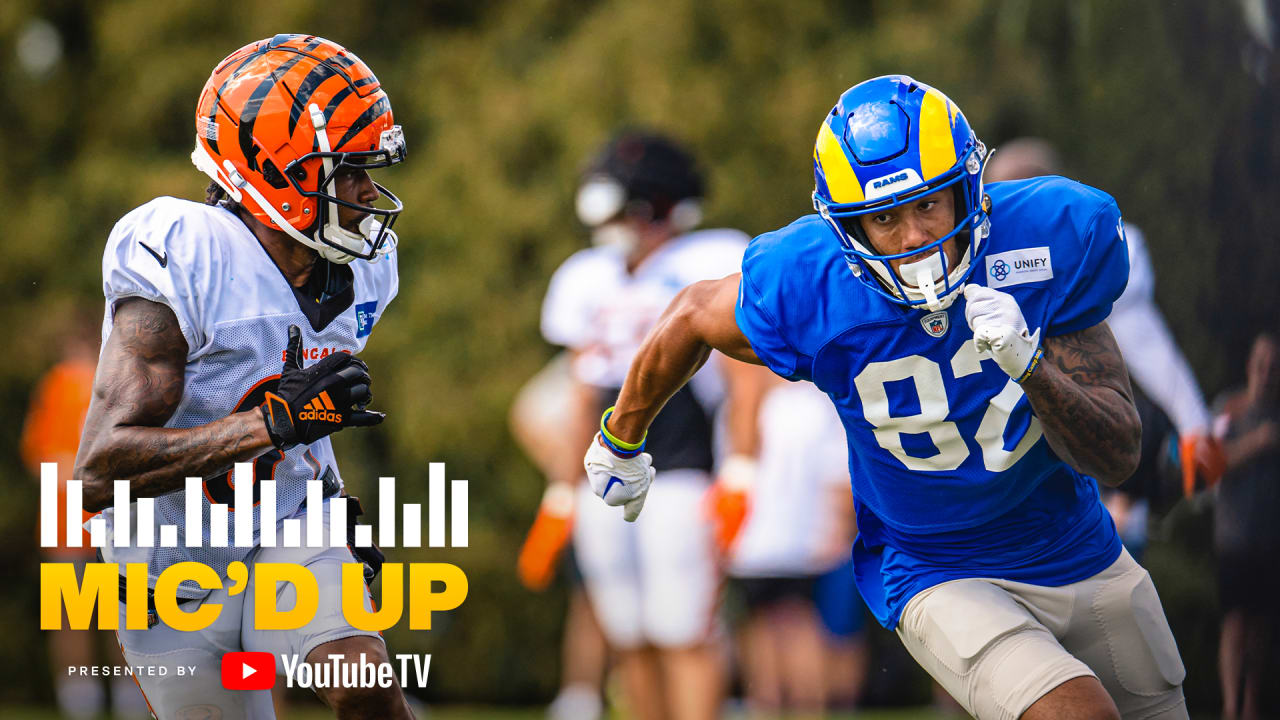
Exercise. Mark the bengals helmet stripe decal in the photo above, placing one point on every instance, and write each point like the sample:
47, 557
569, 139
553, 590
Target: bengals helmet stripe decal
337, 100
313, 80
249, 113
345, 63
262, 96
368, 116
213, 112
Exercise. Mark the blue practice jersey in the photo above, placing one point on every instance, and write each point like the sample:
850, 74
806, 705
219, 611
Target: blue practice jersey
952, 475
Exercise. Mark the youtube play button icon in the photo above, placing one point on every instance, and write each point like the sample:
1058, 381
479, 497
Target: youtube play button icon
248, 671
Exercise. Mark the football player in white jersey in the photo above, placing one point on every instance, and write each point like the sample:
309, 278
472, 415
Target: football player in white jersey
1151, 354
799, 529
654, 585
231, 335
1150, 350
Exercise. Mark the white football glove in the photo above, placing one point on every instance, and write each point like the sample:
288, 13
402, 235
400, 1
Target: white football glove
1000, 331
619, 480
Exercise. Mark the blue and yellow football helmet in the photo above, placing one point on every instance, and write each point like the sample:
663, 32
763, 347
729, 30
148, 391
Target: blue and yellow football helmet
888, 141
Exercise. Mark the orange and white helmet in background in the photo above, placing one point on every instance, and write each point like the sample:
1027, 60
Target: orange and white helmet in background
278, 119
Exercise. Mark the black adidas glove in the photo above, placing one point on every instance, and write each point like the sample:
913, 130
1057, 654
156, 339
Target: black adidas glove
311, 403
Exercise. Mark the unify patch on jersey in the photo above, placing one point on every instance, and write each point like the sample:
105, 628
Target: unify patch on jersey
1019, 266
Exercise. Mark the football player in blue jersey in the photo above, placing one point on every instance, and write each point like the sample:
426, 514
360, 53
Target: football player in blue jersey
959, 331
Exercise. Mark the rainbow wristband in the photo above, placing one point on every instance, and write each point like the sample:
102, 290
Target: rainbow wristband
1036, 357
620, 447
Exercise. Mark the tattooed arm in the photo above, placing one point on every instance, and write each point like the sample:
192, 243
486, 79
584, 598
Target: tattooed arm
137, 388
1081, 394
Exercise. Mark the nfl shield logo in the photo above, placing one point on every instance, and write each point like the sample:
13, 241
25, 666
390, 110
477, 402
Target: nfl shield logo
936, 324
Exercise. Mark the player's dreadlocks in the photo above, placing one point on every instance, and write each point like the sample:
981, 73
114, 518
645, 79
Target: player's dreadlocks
214, 194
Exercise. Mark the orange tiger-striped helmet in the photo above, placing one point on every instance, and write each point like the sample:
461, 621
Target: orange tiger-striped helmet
278, 119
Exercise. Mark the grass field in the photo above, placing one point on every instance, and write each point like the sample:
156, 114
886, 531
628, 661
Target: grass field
479, 713
482, 713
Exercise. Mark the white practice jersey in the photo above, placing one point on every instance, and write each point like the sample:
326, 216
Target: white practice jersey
803, 461
234, 307
603, 313
1149, 350
595, 307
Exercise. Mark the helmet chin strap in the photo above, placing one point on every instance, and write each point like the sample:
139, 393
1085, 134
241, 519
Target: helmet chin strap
332, 229
919, 280
236, 187
239, 185
322, 142
328, 253
927, 272
205, 163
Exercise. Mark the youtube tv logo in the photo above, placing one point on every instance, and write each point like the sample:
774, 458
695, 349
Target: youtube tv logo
248, 671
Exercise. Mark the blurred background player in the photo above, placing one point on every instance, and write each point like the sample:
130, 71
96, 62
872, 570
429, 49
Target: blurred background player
799, 648
844, 618
654, 585
540, 415
1246, 536
1169, 391
51, 433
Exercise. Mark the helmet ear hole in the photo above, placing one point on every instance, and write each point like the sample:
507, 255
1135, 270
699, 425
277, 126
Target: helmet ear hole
272, 175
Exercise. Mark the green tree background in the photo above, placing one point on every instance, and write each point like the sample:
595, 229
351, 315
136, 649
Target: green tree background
1166, 105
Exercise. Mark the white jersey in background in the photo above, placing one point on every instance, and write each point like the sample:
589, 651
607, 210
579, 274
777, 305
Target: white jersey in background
234, 307
655, 581
596, 308
803, 457
1149, 350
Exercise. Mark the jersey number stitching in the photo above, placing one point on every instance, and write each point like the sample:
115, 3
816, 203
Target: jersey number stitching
926, 375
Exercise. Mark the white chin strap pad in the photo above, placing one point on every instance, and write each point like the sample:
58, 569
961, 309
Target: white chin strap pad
924, 275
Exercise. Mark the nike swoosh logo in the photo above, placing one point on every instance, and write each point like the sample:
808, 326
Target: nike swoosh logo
162, 258
609, 487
